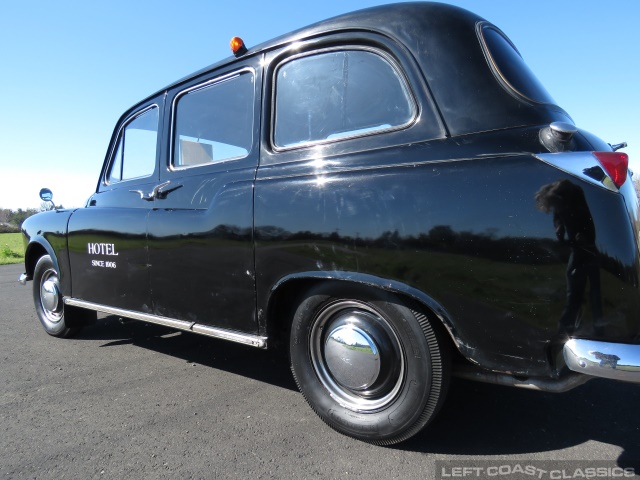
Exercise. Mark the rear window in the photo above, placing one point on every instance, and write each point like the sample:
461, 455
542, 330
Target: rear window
509, 66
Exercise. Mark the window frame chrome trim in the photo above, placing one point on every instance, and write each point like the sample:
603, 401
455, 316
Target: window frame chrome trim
395, 65
114, 147
201, 86
207, 330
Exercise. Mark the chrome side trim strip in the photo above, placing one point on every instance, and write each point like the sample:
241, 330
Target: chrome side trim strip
215, 332
618, 361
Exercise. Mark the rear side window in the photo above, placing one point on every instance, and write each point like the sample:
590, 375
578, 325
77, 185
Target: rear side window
338, 94
135, 154
510, 67
214, 122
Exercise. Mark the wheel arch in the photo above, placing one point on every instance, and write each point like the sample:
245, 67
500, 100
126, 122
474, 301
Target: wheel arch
284, 296
37, 248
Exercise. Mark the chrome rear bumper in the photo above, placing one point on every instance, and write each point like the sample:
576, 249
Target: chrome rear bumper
617, 361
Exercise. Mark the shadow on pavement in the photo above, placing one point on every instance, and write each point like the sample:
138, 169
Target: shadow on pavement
477, 419
483, 419
262, 365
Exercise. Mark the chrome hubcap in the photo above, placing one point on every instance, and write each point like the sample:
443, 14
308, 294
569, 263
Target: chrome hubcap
357, 356
50, 296
49, 293
352, 357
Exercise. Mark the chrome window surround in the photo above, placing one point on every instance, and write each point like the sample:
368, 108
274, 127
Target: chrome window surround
583, 165
386, 57
209, 331
195, 88
114, 147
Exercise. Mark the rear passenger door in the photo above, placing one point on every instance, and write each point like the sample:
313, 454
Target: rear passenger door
201, 227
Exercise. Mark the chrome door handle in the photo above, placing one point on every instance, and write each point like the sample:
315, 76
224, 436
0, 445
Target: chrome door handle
153, 193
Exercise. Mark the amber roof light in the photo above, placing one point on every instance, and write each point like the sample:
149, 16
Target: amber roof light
237, 46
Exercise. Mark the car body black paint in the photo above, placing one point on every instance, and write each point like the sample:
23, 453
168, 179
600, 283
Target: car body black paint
444, 211
464, 232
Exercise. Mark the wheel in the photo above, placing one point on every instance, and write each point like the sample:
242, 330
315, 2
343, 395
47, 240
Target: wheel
48, 299
368, 365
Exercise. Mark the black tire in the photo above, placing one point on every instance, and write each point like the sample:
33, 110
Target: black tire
368, 365
48, 299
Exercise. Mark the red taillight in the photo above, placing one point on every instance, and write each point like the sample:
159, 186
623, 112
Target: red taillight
616, 164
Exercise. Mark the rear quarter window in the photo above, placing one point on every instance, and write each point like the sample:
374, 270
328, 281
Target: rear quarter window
331, 95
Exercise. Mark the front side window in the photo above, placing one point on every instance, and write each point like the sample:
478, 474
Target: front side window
214, 122
338, 94
135, 154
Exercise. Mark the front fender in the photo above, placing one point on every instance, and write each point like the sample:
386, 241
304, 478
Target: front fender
46, 234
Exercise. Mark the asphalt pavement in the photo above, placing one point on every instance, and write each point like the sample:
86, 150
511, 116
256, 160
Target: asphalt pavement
139, 401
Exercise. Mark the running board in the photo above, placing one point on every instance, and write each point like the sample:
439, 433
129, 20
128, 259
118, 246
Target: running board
215, 332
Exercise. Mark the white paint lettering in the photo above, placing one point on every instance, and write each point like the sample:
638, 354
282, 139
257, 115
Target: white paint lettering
101, 249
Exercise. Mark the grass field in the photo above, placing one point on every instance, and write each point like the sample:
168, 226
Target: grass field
11, 248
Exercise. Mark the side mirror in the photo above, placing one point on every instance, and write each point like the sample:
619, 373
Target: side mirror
46, 195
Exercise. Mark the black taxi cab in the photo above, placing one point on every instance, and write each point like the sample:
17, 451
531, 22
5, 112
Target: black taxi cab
390, 195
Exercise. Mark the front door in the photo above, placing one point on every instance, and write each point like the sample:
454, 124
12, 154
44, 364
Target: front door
108, 239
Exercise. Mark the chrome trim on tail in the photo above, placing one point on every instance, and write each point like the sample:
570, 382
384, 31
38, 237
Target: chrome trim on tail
209, 331
552, 385
580, 164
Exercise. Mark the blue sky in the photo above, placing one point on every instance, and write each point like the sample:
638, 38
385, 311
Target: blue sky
70, 68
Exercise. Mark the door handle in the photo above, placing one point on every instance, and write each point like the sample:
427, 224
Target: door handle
157, 192
162, 192
153, 193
